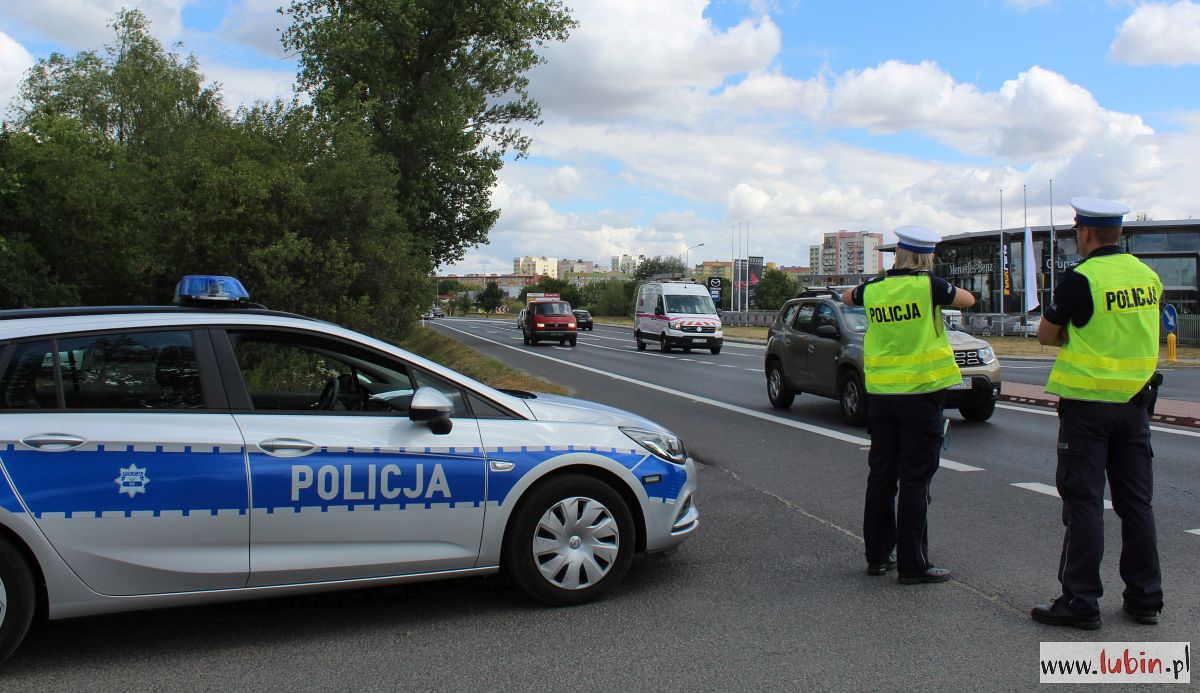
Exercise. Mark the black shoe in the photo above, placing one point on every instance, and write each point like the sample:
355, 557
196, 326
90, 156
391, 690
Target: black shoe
1147, 617
931, 574
881, 568
1057, 614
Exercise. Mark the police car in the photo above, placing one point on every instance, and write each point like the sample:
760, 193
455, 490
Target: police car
162, 456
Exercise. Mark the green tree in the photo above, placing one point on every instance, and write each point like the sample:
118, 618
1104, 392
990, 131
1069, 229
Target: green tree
614, 299
774, 289
449, 286
442, 85
659, 264
491, 298
549, 285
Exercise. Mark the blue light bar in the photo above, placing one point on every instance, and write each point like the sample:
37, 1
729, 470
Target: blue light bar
199, 289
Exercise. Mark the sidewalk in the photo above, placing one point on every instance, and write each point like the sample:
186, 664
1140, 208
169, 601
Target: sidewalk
1167, 411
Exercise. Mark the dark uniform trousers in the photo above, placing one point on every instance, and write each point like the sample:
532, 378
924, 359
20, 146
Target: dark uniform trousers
1095, 439
906, 442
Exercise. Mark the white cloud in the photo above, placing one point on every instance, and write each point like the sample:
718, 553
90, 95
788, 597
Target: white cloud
242, 87
84, 24
631, 57
258, 24
14, 61
1160, 34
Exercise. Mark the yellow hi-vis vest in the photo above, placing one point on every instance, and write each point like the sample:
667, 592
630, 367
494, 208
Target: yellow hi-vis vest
1111, 357
906, 351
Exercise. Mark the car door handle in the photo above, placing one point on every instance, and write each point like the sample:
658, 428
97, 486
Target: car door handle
811, 348
287, 447
53, 442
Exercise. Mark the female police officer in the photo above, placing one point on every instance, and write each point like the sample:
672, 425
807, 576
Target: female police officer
908, 363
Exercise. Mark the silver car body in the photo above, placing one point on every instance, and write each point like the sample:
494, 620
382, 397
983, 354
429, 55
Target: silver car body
124, 510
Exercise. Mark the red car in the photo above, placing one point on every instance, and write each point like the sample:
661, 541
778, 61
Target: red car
549, 320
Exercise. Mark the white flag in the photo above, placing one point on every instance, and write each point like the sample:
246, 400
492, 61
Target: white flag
1031, 274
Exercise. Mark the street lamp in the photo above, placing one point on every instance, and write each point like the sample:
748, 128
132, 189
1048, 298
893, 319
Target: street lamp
686, 256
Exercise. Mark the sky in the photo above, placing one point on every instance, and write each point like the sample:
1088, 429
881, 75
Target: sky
673, 123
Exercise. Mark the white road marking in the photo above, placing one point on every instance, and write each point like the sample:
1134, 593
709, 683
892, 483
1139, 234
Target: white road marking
1050, 491
1044, 412
1193, 531
791, 423
958, 466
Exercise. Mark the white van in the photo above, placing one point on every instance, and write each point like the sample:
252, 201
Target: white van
677, 313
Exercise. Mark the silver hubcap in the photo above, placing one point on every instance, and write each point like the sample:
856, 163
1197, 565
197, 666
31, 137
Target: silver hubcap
774, 383
576, 543
3, 602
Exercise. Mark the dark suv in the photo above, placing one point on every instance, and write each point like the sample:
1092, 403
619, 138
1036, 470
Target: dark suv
549, 320
583, 320
815, 345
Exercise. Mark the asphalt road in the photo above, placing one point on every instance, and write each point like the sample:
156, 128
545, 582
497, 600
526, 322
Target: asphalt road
770, 593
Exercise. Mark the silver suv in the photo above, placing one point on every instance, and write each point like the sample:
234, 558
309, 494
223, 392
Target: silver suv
815, 345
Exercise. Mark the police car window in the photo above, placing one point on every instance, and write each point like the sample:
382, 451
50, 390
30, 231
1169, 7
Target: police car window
690, 305
450, 390
29, 378
803, 321
295, 373
137, 370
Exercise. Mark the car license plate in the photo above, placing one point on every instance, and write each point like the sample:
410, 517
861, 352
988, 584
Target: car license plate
964, 385
701, 340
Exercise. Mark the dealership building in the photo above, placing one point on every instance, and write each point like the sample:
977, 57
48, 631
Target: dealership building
972, 261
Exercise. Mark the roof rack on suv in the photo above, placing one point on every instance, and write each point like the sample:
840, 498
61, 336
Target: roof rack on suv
817, 291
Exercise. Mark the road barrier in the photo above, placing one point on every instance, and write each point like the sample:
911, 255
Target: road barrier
753, 318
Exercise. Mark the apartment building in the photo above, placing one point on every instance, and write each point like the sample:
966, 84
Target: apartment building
847, 252
529, 265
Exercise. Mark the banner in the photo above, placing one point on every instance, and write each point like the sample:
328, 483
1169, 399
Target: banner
1031, 274
1007, 278
756, 270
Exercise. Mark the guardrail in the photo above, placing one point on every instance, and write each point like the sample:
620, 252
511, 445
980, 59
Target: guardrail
753, 318
1187, 331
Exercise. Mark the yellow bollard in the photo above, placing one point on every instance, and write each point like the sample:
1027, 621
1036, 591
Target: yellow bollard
1171, 347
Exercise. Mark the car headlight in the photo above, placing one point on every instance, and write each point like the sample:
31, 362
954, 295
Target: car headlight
676, 325
986, 355
541, 324
664, 445
570, 324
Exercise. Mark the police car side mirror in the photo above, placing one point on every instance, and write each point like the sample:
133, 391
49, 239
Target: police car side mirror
429, 406
829, 331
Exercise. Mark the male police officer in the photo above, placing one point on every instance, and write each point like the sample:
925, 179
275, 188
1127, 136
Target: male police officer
908, 363
1105, 316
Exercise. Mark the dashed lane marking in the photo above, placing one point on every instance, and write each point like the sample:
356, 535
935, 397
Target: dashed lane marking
1193, 531
1050, 491
791, 423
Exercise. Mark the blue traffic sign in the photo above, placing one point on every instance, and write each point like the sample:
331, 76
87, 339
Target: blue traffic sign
1170, 318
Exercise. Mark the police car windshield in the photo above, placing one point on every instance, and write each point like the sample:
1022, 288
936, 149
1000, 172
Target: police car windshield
856, 317
691, 305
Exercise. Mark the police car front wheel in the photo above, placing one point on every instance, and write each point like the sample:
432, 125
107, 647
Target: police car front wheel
17, 596
572, 541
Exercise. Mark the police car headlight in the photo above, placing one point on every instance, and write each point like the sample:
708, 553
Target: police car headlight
676, 325
664, 445
986, 355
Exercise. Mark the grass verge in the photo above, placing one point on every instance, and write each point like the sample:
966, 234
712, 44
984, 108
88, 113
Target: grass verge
471, 363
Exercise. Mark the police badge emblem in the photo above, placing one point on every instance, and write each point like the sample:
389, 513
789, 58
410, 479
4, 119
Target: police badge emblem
132, 480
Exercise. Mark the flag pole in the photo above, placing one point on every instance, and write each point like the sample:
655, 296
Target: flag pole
1053, 242
1000, 266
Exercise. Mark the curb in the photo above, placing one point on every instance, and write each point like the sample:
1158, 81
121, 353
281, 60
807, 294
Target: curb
1186, 421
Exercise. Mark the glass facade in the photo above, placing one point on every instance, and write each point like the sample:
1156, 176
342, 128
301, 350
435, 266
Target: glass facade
974, 264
